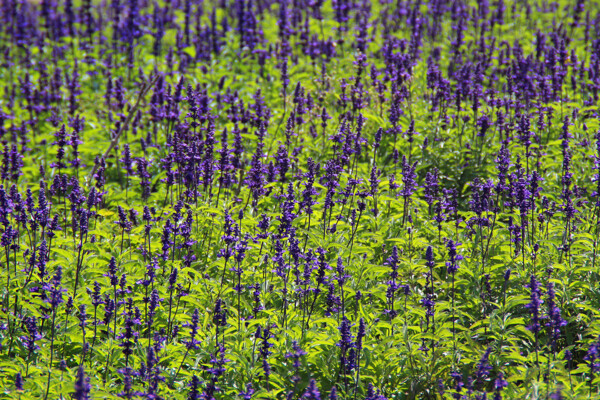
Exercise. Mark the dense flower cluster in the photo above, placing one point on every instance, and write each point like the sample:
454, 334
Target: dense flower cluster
261, 199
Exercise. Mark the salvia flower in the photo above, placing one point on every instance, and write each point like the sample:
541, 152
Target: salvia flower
534, 304
453, 256
82, 385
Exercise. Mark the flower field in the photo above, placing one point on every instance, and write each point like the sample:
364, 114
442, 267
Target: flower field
299, 199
